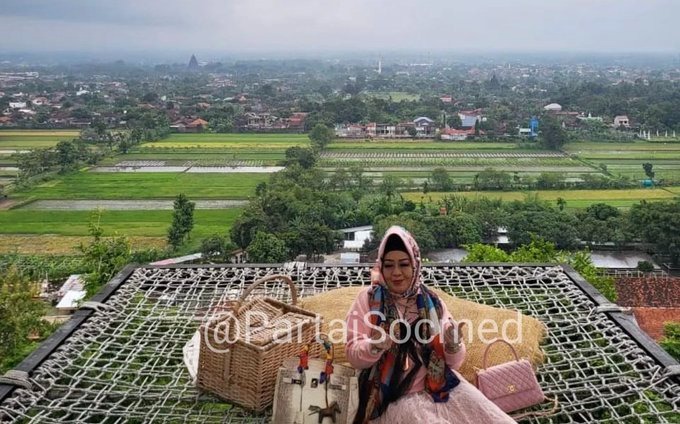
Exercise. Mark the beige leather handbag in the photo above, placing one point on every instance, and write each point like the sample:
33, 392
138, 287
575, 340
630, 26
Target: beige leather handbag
306, 396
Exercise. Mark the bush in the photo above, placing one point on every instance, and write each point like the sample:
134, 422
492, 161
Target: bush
645, 266
671, 339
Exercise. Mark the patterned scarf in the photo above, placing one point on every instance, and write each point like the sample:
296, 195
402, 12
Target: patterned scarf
439, 379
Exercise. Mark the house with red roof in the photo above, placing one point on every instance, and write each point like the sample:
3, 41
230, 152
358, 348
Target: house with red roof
655, 300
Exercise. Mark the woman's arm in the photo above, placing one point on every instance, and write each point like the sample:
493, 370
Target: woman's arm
359, 343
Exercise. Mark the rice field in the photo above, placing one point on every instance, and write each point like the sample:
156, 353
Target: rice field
90, 185
412, 145
641, 146
474, 162
574, 198
396, 96
410, 160
33, 139
227, 142
52, 244
146, 223
626, 159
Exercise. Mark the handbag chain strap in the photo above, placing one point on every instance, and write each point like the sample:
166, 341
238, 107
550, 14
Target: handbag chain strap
539, 413
486, 351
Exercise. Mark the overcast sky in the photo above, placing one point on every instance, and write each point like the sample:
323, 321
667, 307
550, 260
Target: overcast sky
325, 25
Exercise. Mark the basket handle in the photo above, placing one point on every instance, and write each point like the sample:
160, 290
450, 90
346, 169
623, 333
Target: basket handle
486, 351
287, 279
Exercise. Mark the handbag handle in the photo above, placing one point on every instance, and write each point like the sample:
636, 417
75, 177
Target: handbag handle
287, 279
486, 351
332, 349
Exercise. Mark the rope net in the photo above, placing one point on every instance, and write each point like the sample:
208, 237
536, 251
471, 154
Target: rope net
125, 363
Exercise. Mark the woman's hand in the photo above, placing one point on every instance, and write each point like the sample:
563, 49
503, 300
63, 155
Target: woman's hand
452, 336
379, 345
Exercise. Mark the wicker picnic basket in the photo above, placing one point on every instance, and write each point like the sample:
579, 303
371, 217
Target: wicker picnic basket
241, 350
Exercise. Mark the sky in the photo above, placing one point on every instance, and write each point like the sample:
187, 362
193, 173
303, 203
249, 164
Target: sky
232, 26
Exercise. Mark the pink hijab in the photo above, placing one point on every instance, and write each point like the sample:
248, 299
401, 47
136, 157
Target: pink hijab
406, 302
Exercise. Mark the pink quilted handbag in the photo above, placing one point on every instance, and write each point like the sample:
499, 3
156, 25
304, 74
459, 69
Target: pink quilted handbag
511, 385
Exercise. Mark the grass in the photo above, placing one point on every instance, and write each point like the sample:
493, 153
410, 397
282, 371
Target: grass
84, 185
131, 223
574, 198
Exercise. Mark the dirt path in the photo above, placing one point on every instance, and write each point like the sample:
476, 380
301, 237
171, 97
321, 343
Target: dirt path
7, 203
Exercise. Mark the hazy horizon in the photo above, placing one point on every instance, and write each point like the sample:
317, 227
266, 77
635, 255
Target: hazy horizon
308, 27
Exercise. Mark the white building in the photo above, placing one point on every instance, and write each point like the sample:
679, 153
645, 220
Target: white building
70, 294
621, 121
553, 107
356, 236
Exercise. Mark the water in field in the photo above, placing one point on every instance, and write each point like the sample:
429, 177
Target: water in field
11, 152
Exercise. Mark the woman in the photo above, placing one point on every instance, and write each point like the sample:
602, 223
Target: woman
408, 375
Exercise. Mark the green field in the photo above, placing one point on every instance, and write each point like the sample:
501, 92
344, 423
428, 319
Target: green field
229, 141
411, 145
33, 139
200, 157
87, 185
641, 146
574, 198
626, 159
396, 96
131, 223
378, 158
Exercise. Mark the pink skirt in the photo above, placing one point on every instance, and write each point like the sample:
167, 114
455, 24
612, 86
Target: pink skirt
466, 404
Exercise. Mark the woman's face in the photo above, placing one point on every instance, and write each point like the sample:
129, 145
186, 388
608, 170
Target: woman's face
397, 271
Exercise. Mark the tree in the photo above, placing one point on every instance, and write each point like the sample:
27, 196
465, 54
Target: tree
221, 125
20, 317
440, 180
538, 250
150, 97
645, 266
247, 225
649, 172
216, 247
553, 135
658, 223
390, 185
304, 157
104, 256
67, 155
671, 339
561, 203
555, 226
320, 136
266, 248
491, 179
182, 221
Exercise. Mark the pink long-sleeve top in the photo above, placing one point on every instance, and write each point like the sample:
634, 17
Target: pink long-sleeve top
358, 348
